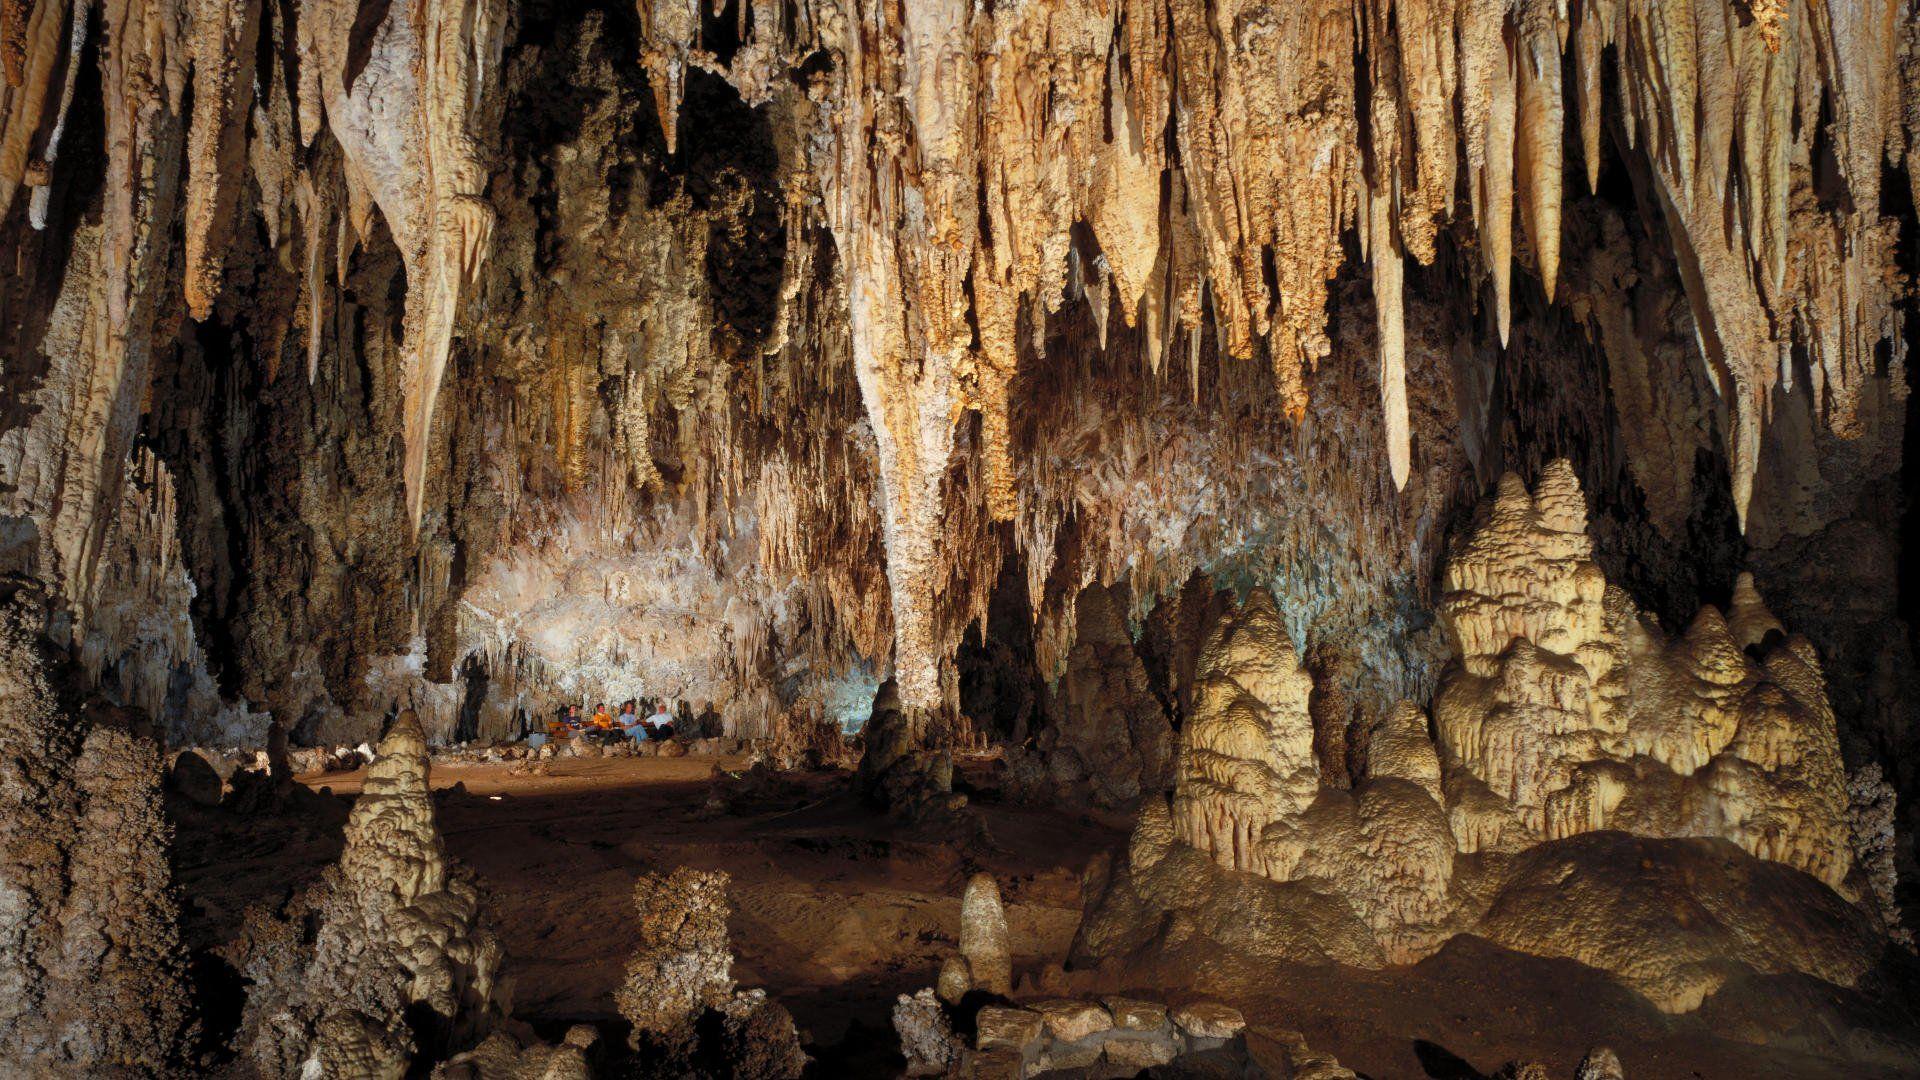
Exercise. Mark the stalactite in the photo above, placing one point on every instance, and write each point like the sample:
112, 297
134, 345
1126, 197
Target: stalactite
979, 172
223, 39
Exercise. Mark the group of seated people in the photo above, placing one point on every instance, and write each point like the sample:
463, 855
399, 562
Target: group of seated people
628, 723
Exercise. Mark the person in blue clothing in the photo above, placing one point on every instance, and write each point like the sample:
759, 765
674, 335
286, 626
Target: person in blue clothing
630, 723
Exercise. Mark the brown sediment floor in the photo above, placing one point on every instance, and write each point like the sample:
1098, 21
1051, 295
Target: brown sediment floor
837, 910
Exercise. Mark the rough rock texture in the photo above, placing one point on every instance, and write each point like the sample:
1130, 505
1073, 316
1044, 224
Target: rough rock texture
90, 957
501, 1057
684, 964
679, 995
1601, 1063
906, 760
482, 355
1111, 290
926, 1035
404, 961
1576, 713
1106, 735
1569, 735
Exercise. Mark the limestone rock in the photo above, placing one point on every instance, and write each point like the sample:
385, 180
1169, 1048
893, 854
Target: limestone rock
1246, 754
403, 946
1576, 714
900, 770
193, 777
679, 993
984, 941
1209, 1020
926, 1035
501, 1057
758, 1040
91, 965
956, 979
1140, 1052
1106, 734
1000, 1028
1675, 919
1133, 1014
683, 965
1601, 1063
1071, 1020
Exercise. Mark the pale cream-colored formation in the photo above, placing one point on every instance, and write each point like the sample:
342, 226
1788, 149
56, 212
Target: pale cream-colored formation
955, 187
965, 143
1246, 754
1574, 712
403, 949
1580, 758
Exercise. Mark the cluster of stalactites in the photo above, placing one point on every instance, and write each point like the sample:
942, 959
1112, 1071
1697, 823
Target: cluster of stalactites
1216, 153
408, 120
1212, 153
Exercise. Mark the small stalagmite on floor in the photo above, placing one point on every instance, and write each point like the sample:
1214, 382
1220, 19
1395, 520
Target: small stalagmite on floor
688, 1018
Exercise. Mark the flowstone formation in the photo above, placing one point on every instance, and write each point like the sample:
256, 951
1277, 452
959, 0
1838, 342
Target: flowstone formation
1571, 712
92, 972
688, 1018
1581, 773
403, 963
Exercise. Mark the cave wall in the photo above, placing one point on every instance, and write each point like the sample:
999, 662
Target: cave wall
361, 357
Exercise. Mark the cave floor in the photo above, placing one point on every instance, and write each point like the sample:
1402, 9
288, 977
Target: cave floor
837, 910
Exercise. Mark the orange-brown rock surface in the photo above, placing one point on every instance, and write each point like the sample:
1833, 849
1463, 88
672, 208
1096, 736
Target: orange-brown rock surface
90, 953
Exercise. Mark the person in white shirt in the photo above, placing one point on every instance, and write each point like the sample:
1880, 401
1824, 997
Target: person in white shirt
660, 724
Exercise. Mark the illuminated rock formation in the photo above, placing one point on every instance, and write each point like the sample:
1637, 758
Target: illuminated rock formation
402, 954
1566, 713
1576, 713
684, 964
1246, 754
679, 995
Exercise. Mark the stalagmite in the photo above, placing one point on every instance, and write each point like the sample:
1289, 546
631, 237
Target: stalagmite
761, 357
1577, 714
402, 959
